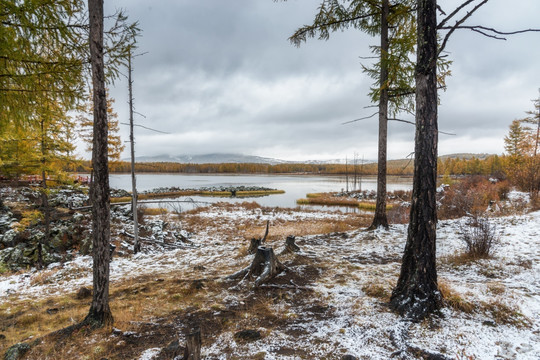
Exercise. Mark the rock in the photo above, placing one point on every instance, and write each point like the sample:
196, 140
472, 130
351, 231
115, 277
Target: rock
348, 357
52, 311
83, 293
248, 335
17, 351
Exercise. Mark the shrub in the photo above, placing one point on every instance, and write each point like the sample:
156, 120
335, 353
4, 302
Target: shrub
472, 195
480, 237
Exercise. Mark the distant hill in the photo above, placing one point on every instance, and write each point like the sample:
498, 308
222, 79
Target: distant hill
228, 158
216, 158
465, 156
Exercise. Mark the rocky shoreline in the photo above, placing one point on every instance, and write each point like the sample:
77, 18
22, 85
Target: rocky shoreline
22, 227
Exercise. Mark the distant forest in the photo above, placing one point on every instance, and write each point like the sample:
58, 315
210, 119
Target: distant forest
491, 165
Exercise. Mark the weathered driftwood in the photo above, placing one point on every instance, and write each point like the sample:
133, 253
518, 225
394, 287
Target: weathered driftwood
193, 345
255, 243
290, 245
264, 267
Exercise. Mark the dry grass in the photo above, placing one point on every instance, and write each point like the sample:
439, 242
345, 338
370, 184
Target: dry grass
42, 277
378, 290
245, 229
326, 199
136, 300
458, 259
496, 288
505, 314
454, 299
175, 194
154, 211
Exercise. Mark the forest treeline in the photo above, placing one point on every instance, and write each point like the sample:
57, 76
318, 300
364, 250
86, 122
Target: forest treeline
493, 165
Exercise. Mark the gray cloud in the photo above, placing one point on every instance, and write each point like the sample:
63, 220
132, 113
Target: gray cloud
222, 77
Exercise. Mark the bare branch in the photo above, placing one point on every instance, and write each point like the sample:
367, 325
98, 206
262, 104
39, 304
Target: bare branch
454, 13
147, 128
459, 22
412, 123
364, 118
404, 121
486, 31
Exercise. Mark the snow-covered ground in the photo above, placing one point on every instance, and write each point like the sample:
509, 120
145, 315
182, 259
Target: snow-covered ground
354, 322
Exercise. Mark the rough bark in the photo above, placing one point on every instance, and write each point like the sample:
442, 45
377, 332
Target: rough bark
193, 346
416, 294
380, 218
264, 267
290, 245
100, 312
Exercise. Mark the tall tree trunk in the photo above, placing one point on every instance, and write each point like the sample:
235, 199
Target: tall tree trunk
47, 210
100, 312
380, 218
136, 244
416, 294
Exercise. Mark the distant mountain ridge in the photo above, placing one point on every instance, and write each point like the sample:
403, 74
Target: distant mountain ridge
215, 158
228, 158
224, 158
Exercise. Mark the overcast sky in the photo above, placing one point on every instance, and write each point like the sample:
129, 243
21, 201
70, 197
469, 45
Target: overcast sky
220, 76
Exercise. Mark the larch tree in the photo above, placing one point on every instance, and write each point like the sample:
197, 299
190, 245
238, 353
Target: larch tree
86, 123
521, 145
394, 22
416, 294
515, 142
100, 313
121, 38
39, 38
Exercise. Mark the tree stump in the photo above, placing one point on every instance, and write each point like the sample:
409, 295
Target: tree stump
255, 243
193, 346
290, 245
264, 267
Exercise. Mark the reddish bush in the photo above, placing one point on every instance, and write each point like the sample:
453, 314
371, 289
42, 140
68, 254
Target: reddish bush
472, 195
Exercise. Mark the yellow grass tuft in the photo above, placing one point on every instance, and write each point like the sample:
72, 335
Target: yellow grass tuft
154, 211
454, 299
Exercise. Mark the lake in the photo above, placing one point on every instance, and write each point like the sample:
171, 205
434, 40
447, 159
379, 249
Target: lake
295, 186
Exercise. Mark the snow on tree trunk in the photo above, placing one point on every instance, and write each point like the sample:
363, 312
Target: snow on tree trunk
416, 294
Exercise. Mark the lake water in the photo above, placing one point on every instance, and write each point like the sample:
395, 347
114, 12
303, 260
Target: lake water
295, 186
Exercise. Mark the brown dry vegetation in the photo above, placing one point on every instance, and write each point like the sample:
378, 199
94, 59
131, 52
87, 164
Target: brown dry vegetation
152, 311
279, 229
328, 199
180, 193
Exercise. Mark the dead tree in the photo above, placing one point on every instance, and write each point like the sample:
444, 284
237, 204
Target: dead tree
264, 267
193, 345
290, 246
255, 243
